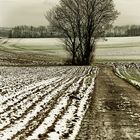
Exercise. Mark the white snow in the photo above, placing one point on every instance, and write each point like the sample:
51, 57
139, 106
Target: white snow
63, 125
19, 125
56, 111
128, 72
68, 84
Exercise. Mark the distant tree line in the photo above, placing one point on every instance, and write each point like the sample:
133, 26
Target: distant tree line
123, 31
45, 32
4, 32
32, 32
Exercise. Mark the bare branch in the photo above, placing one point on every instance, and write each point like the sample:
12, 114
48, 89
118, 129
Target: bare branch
82, 22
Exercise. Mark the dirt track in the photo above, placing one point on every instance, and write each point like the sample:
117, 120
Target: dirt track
114, 112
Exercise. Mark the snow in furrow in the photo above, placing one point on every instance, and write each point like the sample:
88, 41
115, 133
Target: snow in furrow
15, 79
136, 83
69, 125
82, 109
56, 111
23, 106
26, 92
26, 89
125, 73
20, 124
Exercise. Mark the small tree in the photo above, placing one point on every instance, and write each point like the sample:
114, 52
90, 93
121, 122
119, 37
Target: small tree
82, 22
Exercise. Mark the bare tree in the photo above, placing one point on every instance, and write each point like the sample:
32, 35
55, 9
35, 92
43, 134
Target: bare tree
82, 22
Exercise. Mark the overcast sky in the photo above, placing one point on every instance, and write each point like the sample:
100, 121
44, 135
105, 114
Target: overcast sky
31, 12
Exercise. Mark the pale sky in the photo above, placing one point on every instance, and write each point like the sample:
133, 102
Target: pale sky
31, 12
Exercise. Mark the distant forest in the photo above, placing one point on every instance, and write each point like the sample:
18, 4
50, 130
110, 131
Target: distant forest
4, 32
32, 32
48, 32
123, 31
29, 32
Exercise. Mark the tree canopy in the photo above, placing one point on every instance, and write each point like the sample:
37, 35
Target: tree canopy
82, 22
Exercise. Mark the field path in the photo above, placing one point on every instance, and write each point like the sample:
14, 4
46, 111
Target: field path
114, 112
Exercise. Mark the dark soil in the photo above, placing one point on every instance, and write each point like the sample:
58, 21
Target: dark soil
114, 112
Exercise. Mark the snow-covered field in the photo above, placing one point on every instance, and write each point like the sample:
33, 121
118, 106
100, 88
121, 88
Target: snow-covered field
119, 48
129, 72
51, 46
44, 102
114, 48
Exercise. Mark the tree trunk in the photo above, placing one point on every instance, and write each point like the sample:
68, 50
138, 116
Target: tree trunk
73, 59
